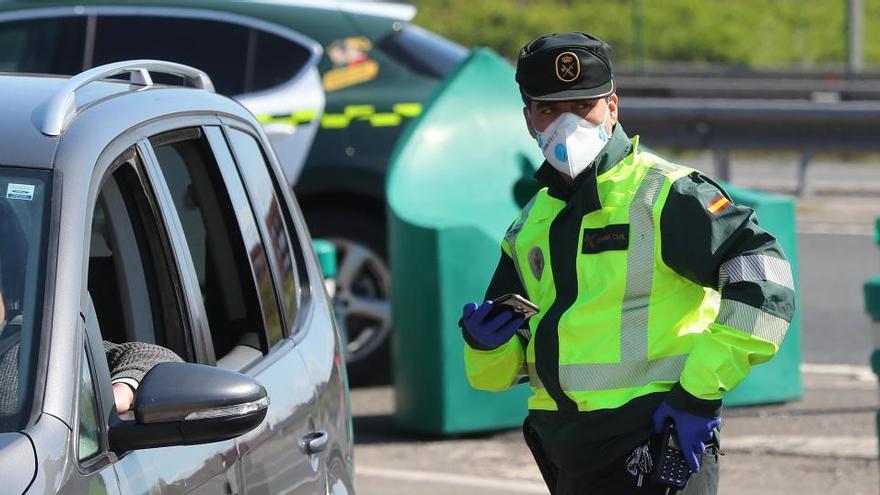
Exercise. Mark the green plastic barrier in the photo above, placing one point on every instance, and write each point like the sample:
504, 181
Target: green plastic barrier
872, 307
778, 380
452, 194
326, 252
457, 179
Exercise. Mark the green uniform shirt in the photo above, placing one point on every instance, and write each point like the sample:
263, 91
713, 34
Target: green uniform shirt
701, 230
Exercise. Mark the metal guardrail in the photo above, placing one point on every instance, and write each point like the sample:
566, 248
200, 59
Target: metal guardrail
724, 125
805, 88
753, 124
687, 69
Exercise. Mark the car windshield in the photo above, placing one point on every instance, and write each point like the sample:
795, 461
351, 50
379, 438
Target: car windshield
423, 51
24, 196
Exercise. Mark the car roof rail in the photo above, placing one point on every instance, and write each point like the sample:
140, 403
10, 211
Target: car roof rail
63, 103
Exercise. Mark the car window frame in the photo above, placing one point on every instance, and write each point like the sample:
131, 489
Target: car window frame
117, 155
291, 237
132, 156
162, 204
181, 261
176, 251
132, 265
203, 124
309, 277
219, 142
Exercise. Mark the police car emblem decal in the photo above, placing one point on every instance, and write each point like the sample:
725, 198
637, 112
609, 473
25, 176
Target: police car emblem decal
568, 67
536, 262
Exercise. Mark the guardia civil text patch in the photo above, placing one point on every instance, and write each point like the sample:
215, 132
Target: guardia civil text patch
608, 238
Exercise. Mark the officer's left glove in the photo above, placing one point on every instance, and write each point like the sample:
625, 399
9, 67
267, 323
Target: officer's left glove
691, 430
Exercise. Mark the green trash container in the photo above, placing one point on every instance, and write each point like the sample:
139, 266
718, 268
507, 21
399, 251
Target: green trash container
458, 178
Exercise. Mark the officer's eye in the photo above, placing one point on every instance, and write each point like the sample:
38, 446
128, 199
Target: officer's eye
587, 105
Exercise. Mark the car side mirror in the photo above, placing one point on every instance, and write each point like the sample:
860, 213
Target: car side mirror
188, 404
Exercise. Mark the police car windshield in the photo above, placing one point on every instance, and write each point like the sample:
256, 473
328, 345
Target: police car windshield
23, 223
423, 51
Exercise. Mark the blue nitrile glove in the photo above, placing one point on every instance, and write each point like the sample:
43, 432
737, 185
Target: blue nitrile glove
691, 430
483, 333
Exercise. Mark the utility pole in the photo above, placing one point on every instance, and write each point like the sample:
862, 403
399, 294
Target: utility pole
854, 58
638, 17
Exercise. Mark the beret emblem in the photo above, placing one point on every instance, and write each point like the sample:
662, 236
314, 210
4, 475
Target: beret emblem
568, 67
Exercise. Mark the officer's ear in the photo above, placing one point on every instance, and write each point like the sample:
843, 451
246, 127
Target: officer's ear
528, 116
612, 109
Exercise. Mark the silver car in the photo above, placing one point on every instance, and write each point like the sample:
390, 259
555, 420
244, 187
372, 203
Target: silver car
135, 212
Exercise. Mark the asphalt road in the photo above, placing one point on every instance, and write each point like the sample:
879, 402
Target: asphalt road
821, 445
833, 268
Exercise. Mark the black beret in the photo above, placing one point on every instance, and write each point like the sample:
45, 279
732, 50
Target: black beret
565, 66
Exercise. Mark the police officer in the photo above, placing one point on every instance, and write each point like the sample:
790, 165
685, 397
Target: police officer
657, 294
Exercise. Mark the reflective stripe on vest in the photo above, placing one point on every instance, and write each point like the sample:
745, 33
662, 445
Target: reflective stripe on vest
752, 321
755, 268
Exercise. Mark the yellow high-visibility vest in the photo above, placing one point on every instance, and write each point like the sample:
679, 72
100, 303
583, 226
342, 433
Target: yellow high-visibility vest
632, 327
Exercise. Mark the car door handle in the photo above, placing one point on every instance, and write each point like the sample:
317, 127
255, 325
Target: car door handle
314, 442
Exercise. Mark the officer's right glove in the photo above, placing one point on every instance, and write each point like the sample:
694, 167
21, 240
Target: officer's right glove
484, 332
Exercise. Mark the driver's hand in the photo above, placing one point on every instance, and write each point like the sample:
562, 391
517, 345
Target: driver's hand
123, 395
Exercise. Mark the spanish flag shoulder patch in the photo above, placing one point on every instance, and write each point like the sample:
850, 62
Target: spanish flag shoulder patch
718, 204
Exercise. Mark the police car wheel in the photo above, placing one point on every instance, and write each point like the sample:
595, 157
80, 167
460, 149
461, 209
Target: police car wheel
363, 290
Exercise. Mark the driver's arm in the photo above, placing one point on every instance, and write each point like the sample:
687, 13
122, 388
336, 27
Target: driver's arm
129, 362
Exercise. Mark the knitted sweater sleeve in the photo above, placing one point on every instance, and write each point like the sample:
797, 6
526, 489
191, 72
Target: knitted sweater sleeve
132, 360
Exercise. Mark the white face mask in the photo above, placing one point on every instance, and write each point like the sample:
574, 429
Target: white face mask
570, 143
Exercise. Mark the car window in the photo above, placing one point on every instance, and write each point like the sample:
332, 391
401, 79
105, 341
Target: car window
89, 434
218, 48
268, 207
423, 51
238, 59
130, 277
225, 245
45, 45
24, 201
276, 61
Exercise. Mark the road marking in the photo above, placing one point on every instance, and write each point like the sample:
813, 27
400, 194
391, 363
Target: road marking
831, 446
502, 484
861, 373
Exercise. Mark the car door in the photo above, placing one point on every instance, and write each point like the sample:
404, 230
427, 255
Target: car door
278, 456
137, 291
306, 309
